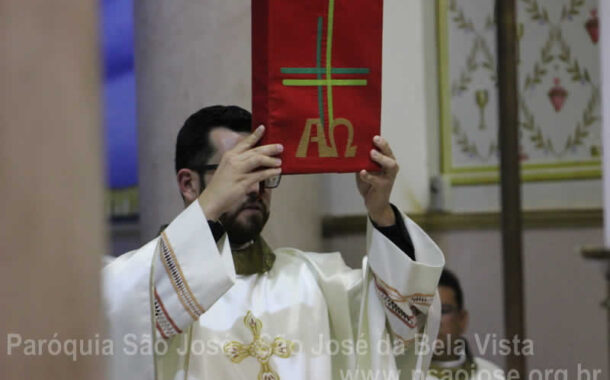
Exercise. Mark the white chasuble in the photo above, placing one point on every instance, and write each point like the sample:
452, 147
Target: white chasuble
177, 310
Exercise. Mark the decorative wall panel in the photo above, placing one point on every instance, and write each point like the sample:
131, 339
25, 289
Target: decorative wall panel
559, 99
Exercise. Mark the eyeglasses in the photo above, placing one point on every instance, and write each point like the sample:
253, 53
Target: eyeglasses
269, 183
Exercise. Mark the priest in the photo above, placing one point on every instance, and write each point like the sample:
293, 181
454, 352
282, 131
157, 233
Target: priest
209, 299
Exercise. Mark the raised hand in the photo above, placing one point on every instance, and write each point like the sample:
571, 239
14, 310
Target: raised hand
376, 187
239, 169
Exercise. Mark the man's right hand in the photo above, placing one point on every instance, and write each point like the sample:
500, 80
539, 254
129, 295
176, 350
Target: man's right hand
239, 169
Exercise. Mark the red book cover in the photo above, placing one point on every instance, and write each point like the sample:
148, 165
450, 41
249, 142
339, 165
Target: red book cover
316, 81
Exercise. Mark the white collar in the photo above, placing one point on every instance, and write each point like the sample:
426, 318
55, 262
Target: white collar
451, 363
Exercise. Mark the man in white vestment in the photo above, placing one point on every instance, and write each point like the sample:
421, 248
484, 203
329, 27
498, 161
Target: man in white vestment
208, 299
453, 359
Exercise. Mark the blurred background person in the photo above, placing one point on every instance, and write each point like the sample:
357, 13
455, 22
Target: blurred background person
453, 358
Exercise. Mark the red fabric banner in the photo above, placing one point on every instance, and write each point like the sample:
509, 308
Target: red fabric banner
316, 81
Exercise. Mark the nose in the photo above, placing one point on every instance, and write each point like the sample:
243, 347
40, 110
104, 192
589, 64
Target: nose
255, 189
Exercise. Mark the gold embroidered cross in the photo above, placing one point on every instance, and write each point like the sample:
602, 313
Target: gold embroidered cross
259, 348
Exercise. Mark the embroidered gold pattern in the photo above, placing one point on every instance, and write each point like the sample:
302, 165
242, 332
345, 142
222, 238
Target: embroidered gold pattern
402, 306
259, 348
165, 323
396, 296
183, 290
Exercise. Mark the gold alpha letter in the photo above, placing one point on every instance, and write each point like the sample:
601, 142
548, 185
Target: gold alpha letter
323, 149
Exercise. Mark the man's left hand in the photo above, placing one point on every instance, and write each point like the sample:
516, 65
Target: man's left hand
376, 187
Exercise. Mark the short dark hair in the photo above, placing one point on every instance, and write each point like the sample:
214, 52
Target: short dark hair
450, 280
193, 148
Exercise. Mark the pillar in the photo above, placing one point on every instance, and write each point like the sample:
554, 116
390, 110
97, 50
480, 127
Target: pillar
52, 222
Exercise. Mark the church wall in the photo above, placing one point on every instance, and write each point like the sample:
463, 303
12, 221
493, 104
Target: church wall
183, 66
564, 293
408, 109
187, 55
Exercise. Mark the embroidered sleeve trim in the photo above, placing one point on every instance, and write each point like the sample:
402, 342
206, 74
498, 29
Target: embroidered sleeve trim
160, 330
165, 324
393, 308
391, 298
396, 296
174, 272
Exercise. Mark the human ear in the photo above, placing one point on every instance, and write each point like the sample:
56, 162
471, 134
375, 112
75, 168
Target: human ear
464, 318
188, 182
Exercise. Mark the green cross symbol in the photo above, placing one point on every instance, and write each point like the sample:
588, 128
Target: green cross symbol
329, 82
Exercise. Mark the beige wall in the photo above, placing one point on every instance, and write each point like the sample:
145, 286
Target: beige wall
563, 299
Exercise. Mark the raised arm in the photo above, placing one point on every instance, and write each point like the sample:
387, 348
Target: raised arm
403, 268
159, 290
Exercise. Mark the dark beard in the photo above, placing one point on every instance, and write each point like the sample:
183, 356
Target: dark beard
239, 232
